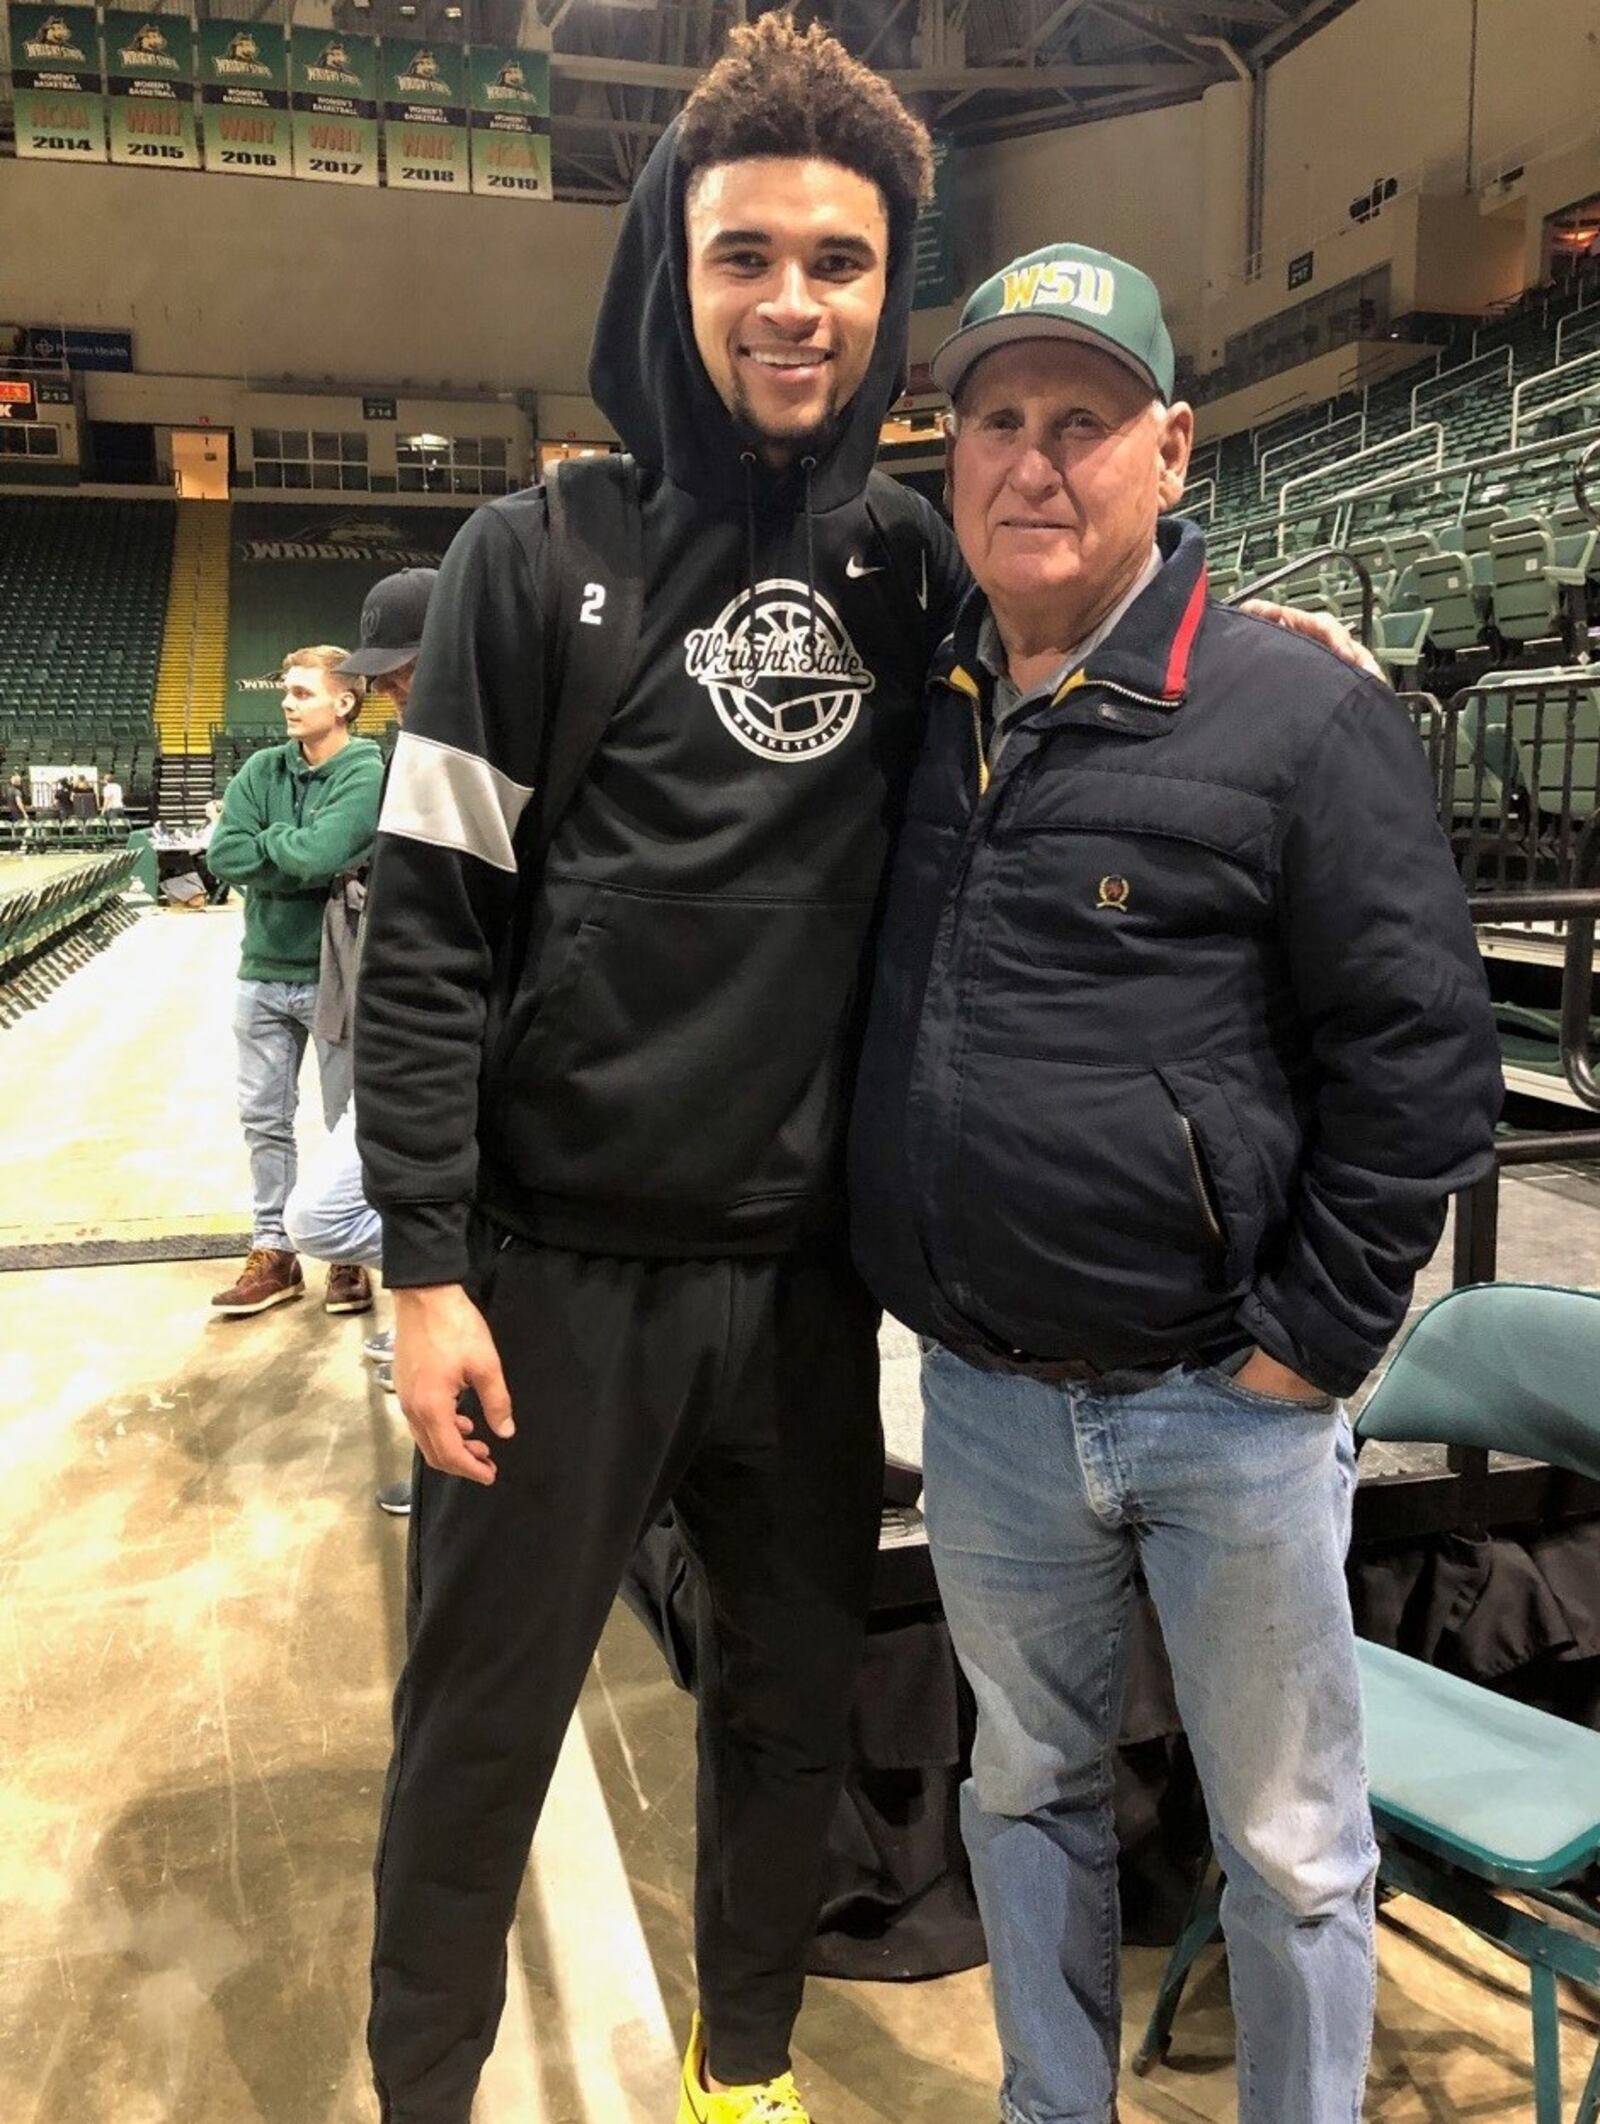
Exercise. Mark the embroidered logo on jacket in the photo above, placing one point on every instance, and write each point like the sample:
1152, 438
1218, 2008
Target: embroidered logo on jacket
788, 683
1114, 893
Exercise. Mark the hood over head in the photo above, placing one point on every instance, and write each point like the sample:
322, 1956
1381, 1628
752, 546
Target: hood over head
647, 377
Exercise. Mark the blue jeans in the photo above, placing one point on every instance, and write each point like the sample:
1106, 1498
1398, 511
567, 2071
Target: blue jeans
328, 1215
271, 1025
1041, 1500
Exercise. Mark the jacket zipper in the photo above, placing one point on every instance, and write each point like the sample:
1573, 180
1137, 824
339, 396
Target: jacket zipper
1202, 1192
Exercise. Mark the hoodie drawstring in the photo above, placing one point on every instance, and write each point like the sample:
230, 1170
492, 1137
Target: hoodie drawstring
747, 458
808, 465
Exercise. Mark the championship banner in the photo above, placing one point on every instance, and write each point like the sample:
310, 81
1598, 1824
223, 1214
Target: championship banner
150, 89
58, 108
333, 84
424, 116
511, 123
244, 94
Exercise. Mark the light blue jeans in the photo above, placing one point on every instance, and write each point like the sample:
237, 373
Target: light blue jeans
271, 1025
328, 1215
1040, 1501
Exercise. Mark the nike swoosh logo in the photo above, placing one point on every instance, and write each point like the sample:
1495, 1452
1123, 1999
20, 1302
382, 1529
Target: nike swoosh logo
922, 588
855, 568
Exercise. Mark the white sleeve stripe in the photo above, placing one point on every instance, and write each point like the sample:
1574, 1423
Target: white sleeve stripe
450, 799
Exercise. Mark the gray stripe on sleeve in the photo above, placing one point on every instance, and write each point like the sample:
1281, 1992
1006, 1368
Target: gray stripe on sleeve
452, 800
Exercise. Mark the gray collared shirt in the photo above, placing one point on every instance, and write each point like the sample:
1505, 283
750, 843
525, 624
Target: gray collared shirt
1008, 702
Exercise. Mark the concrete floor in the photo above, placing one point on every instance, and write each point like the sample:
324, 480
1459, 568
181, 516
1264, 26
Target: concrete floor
199, 1628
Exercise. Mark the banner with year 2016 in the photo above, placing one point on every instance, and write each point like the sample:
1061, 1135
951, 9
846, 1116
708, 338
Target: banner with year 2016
150, 89
244, 98
57, 105
334, 88
511, 123
424, 116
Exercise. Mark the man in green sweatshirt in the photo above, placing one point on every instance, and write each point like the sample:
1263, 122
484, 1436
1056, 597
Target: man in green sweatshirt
294, 817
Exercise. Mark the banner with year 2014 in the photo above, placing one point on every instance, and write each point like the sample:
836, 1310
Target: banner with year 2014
334, 86
511, 123
150, 89
424, 116
244, 95
58, 108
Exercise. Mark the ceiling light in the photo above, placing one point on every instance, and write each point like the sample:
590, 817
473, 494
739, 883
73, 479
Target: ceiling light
452, 14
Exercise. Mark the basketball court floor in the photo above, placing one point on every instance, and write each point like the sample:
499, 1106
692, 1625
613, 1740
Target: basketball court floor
200, 1623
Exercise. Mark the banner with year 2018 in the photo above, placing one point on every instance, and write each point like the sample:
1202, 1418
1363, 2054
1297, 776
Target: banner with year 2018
424, 116
58, 106
150, 89
334, 88
511, 123
244, 94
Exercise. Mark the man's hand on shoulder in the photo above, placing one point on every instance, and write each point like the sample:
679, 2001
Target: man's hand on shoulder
1316, 627
442, 1347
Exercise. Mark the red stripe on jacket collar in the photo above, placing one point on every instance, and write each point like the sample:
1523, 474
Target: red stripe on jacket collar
1176, 683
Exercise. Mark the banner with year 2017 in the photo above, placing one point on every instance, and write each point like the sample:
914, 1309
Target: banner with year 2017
150, 89
334, 88
511, 123
244, 96
58, 106
424, 116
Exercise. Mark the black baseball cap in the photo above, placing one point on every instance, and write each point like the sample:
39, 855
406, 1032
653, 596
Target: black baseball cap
392, 614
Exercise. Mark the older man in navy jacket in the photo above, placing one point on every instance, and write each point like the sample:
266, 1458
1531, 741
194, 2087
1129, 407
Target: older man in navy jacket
1179, 1044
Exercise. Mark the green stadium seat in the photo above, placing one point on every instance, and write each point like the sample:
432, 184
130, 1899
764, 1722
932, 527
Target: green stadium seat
1400, 638
1556, 732
1443, 582
1526, 604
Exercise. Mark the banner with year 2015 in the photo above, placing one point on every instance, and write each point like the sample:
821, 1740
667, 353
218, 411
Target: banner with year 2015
424, 116
150, 89
244, 98
511, 123
334, 88
58, 108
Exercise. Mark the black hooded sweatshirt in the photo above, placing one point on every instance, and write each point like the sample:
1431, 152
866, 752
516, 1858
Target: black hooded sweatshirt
646, 1048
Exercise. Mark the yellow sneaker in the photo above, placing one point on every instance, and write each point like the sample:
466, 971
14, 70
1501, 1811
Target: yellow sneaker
769, 2102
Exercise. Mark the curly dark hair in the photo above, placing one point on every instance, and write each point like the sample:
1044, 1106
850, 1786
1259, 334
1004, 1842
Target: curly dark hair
779, 90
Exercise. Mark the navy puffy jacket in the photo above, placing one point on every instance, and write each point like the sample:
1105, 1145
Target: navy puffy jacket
1180, 1038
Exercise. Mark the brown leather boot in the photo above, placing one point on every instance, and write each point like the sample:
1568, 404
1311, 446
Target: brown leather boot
269, 1277
349, 1289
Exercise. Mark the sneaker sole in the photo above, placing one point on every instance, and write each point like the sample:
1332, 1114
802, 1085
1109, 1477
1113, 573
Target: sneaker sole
348, 1305
244, 1312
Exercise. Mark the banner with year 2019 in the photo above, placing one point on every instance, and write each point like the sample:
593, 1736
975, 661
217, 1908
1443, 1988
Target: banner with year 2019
244, 95
150, 89
424, 116
58, 107
511, 123
334, 87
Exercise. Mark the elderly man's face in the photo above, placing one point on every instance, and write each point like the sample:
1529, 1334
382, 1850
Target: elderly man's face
1060, 465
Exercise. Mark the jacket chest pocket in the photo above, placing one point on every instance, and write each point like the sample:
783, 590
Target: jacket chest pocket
1094, 864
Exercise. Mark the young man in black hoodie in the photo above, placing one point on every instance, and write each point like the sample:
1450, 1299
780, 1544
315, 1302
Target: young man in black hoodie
603, 1093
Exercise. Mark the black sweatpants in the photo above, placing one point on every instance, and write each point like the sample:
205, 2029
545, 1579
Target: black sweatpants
745, 1392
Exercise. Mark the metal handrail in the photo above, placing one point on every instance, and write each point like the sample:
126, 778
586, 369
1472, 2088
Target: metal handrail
1445, 383
1580, 481
1315, 559
1583, 310
1528, 383
1314, 443
1411, 435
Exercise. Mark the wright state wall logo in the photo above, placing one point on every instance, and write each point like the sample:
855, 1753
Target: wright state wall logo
785, 689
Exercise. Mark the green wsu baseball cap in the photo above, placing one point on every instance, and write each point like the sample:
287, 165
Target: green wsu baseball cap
1065, 291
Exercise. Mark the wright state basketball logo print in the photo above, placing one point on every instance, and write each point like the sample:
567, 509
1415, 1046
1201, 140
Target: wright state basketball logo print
786, 680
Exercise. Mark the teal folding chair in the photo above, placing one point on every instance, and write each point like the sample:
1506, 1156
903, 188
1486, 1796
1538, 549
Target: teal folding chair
1476, 1798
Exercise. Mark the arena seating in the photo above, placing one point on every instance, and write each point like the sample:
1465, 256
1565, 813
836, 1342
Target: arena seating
49, 929
83, 590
